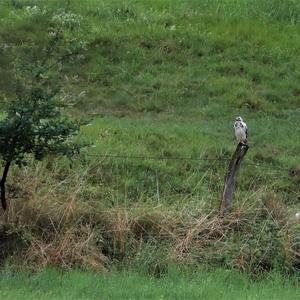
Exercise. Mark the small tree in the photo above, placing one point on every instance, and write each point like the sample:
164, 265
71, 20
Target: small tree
34, 122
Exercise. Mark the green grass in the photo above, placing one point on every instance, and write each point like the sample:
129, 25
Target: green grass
219, 284
166, 78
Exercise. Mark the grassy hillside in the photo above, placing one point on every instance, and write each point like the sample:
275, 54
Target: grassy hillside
165, 78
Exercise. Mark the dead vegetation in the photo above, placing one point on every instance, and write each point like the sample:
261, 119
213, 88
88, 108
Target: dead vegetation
54, 228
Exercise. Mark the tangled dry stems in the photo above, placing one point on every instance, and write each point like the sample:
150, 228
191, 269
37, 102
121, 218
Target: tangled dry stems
67, 232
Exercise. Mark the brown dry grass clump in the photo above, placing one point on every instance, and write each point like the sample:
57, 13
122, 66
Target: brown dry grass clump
59, 229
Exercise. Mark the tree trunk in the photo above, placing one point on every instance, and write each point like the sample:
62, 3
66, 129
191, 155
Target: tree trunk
231, 174
2, 185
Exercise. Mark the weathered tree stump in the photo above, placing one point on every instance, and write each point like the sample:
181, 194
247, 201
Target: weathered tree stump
231, 174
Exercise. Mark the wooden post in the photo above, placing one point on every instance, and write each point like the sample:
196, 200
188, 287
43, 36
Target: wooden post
231, 174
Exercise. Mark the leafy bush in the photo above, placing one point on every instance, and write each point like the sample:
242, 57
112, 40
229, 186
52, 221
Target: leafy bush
34, 121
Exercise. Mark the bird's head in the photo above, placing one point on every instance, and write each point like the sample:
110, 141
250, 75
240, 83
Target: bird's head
238, 119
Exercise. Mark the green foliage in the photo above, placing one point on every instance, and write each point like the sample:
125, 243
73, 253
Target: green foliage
255, 246
34, 121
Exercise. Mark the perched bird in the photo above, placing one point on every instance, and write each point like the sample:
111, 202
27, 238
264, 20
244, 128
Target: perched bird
297, 215
240, 130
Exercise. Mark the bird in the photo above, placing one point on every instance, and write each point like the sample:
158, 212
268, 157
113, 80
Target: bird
240, 130
297, 215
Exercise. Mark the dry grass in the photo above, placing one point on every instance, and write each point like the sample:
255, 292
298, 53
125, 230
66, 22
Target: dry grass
58, 229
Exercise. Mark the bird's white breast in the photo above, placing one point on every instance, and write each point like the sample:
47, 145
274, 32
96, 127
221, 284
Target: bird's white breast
240, 130
240, 133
